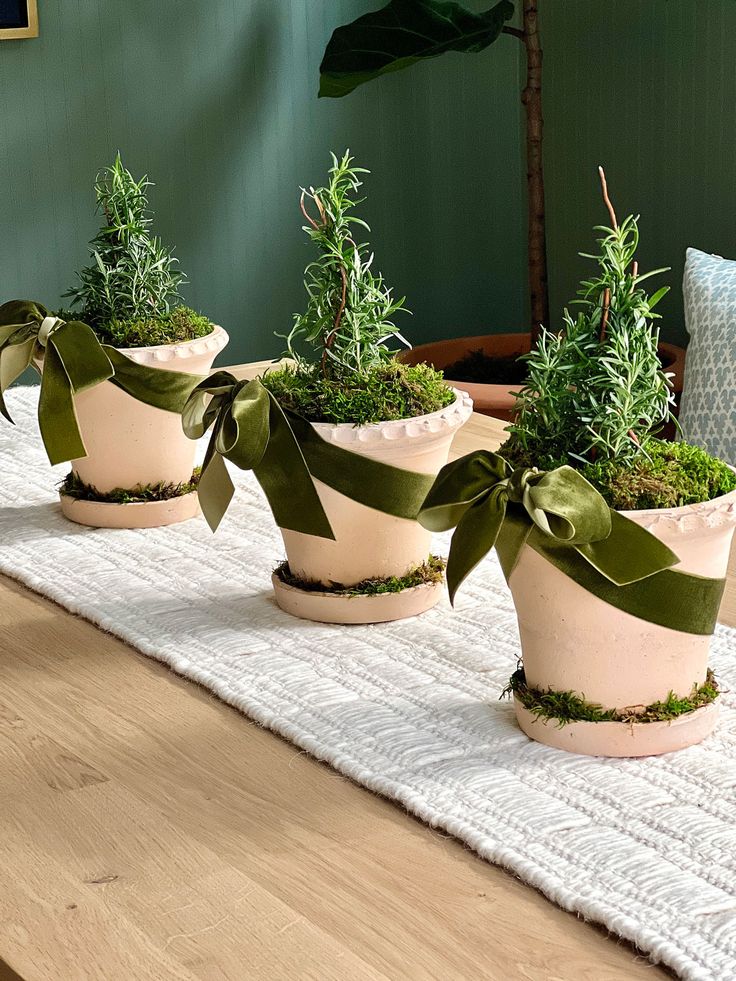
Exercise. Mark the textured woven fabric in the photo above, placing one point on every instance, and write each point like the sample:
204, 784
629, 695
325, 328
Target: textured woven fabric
409, 709
708, 412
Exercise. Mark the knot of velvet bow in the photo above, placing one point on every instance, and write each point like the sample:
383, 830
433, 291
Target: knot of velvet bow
251, 430
73, 360
489, 504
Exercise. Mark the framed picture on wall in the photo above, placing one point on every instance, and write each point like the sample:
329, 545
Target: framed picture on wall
18, 18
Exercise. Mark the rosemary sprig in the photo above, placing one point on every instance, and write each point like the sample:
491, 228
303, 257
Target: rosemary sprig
348, 319
132, 275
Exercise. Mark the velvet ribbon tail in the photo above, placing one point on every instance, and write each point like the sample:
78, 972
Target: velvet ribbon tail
376, 485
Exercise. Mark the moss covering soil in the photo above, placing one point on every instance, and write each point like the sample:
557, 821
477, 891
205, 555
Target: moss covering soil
429, 572
180, 324
387, 391
564, 707
664, 475
72, 486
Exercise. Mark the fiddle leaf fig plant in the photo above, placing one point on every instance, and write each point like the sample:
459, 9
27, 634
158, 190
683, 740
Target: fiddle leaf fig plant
402, 33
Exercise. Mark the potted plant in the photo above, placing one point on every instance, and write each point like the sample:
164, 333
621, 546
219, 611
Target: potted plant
345, 441
116, 376
614, 543
397, 36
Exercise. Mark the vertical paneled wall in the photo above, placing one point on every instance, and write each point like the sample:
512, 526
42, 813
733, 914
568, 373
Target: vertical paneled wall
217, 101
648, 89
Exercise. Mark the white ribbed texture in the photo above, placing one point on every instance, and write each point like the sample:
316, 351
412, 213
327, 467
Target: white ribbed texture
409, 709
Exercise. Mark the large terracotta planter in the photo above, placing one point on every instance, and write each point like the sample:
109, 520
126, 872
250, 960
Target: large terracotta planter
368, 543
498, 400
573, 641
130, 443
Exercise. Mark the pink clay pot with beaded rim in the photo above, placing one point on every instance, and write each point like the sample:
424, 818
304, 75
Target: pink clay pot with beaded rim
368, 543
573, 641
130, 443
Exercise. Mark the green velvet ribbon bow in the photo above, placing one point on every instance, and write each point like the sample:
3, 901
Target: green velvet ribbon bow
250, 429
74, 360
563, 517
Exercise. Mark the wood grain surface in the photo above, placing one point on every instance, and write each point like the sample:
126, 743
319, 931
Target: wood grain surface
149, 832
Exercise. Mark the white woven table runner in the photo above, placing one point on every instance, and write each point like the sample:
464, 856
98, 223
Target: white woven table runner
409, 709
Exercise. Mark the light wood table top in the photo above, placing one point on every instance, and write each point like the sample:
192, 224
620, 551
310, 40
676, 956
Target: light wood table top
148, 832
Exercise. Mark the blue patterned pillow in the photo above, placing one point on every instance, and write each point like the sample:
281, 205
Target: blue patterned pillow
708, 412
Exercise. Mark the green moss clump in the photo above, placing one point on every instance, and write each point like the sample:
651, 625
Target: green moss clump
665, 475
670, 475
72, 486
566, 706
431, 571
180, 324
386, 391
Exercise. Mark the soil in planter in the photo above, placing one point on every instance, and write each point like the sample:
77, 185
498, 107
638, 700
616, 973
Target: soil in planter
431, 571
477, 367
668, 475
564, 707
388, 390
72, 486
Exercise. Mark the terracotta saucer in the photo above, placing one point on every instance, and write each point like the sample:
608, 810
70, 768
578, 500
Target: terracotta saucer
336, 608
620, 739
143, 514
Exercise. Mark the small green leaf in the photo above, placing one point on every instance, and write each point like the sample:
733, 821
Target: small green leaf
656, 297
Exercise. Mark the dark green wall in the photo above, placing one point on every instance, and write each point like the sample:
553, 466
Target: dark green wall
648, 89
217, 102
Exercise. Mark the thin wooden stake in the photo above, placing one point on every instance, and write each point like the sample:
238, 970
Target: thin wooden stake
604, 186
306, 214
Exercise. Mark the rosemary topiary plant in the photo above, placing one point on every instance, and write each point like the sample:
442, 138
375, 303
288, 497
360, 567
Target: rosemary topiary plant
596, 395
597, 387
349, 310
129, 294
344, 370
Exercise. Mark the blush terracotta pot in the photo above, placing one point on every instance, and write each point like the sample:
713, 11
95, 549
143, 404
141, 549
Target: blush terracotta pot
573, 641
130, 443
369, 544
489, 400
498, 400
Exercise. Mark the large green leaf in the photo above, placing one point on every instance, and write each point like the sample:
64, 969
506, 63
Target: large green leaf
402, 33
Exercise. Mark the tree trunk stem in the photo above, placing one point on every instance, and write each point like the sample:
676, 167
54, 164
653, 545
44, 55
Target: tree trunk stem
532, 99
